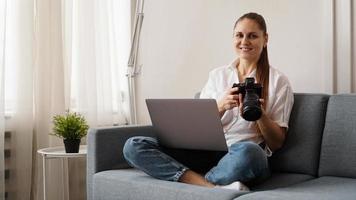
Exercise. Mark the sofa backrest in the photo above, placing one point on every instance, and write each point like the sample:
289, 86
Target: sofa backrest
301, 150
338, 151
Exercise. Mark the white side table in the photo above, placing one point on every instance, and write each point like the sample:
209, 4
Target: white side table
58, 152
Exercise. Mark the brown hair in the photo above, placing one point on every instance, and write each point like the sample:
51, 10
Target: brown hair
262, 71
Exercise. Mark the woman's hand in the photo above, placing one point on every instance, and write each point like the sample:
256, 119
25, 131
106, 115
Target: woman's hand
262, 102
229, 101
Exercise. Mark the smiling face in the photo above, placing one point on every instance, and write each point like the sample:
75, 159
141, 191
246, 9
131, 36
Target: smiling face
249, 40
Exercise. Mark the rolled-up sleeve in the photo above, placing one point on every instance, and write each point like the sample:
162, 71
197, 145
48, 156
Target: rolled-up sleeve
282, 106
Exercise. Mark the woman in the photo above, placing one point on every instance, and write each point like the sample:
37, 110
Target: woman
250, 143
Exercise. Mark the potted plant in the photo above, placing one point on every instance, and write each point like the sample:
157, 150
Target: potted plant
71, 127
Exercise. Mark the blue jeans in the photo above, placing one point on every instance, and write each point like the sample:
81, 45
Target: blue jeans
245, 161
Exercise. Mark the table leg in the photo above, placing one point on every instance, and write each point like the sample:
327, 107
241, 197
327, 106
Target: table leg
63, 174
65, 178
44, 176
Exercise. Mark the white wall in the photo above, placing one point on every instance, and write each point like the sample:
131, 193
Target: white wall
182, 40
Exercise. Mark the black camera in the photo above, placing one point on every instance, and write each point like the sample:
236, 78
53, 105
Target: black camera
251, 93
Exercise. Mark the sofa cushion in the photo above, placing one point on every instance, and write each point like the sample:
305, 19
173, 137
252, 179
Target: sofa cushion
278, 180
339, 139
134, 184
301, 150
325, 188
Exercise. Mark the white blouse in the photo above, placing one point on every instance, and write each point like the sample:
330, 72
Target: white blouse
278, 108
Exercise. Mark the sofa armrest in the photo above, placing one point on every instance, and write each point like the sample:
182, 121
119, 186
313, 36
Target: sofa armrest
105, 148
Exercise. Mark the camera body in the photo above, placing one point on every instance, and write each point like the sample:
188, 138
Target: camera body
251, 93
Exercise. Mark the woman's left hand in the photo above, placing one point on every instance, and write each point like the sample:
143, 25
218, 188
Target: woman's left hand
262, 102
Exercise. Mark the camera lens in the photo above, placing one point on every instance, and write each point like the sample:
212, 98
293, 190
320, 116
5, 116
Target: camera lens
251, 110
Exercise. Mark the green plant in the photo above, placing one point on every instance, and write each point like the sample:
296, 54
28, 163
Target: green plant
72, 125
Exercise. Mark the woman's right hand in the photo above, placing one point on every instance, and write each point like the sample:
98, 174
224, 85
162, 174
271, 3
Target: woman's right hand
229, 101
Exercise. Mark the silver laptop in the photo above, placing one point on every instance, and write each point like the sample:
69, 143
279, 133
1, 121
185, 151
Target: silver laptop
187, 123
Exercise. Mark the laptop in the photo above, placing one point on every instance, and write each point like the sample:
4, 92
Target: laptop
187, 123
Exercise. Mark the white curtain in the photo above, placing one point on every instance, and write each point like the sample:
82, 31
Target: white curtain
58, 55
18, 63
2, 99
97, 40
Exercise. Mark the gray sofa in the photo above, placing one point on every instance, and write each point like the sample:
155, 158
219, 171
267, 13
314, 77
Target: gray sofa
317, 161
